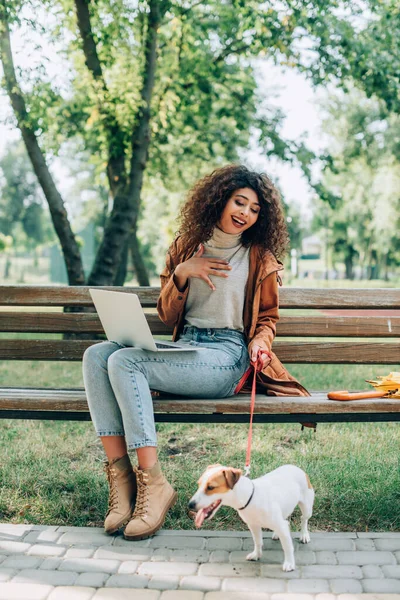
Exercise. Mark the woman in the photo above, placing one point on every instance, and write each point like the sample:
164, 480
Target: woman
219, 290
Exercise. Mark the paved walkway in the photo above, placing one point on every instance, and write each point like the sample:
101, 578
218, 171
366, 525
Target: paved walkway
82, 563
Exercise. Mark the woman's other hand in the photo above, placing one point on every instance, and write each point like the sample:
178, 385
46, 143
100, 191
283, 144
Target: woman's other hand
200, 267
263, 359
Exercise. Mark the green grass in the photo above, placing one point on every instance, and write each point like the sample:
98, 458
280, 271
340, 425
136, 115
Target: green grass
51, 472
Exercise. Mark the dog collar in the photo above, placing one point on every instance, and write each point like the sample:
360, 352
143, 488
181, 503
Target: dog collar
249, 500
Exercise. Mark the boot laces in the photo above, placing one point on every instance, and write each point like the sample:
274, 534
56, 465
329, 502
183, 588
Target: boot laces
112, 482
142, 498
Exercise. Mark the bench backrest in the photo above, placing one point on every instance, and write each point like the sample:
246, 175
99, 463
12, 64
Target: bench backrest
320, 314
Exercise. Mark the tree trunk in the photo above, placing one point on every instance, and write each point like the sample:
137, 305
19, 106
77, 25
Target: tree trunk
127, 200
123, 266
58, 213
137, 260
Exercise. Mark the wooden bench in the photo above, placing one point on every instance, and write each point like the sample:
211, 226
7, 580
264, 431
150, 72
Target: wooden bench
379, 345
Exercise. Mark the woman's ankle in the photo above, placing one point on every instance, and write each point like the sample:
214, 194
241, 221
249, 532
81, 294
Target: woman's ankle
147, 457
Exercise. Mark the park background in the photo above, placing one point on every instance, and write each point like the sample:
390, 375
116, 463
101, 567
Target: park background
110, 111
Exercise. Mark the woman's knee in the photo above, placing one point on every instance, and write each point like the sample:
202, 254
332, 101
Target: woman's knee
124, 359
98, 354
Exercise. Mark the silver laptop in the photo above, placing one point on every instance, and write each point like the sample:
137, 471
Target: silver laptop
124, 321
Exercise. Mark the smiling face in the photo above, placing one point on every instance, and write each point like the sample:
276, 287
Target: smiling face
240, 212
215, 485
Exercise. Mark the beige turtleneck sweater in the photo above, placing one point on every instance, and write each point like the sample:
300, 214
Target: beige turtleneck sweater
222, 308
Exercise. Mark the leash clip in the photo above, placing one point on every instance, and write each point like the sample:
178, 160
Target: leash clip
247, 470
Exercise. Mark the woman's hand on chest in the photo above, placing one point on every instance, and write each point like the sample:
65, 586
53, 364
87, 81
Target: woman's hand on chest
201, 268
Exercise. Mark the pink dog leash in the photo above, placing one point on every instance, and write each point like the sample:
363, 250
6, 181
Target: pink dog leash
255, 366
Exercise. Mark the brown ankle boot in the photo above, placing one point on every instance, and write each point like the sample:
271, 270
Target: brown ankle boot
155, 496
122, 495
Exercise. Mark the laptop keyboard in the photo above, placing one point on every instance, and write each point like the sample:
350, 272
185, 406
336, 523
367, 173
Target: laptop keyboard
160, 345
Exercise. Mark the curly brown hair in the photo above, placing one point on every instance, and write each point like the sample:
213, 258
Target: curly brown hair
208, 197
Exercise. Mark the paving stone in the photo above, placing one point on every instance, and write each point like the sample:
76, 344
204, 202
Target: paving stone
308, 586
270, 557
42, 536
182, 595
327, 543
127, 581
11, 547
17, 530
391, 571
82, 565
80, 553
204, 584
174, 543
242, 596
218, 556
390, 544
276, 572
189, 555
91, 580
123, 553
72, 593
164, 582
268, 543
126, 594
377, 534
45, 550
365, 558
372, 572
345, 586
247, 569
224, 543
305, 558
85, 537
331, 572
288, 596
120, 541
332, 534
365, 544
20, 591
325, 557
161, 554
383, 586
7, 574
45, 577
164, 568
70, 529
51, 563
128, 567
19, 561
251, 584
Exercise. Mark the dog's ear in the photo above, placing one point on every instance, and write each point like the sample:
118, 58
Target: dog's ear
232, 476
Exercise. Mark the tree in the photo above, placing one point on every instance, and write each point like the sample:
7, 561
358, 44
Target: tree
154, 86
364, 178
21, 198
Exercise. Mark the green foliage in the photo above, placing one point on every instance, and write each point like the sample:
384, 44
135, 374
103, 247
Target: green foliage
22, 210
363, 176
362, 49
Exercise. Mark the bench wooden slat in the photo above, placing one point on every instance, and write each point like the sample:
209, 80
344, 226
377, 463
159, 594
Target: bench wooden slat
385, 298
74, 400
288, 326
288, 352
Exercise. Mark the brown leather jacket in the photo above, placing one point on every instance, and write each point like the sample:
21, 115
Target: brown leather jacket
260, 312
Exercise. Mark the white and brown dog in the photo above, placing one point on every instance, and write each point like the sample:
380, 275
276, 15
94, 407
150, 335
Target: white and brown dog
264, 502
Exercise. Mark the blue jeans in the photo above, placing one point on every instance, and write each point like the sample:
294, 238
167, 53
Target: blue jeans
118, 379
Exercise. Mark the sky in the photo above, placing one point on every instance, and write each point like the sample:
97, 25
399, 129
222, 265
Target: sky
292, 93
